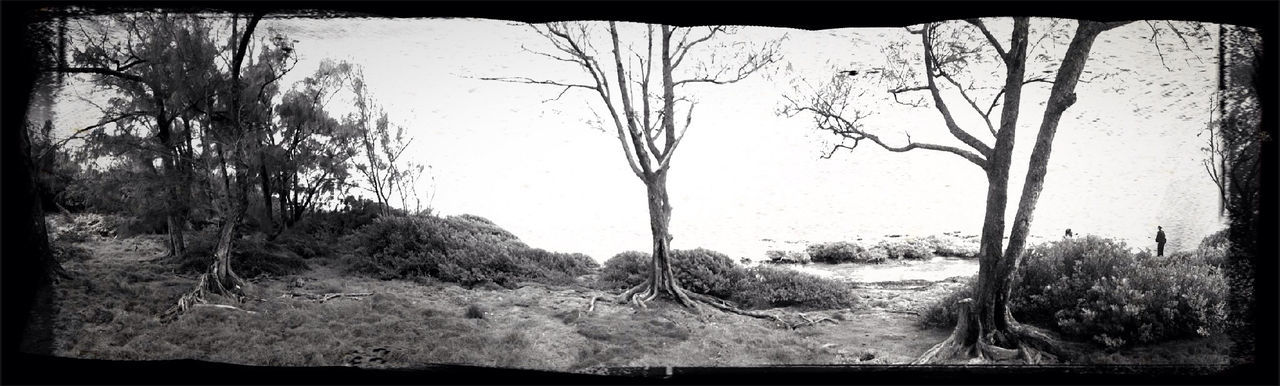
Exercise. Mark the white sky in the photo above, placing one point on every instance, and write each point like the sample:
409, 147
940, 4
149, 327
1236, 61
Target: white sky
743, 173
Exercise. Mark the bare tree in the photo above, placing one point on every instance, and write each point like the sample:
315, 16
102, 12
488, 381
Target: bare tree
644, 108
948, 50
387, 173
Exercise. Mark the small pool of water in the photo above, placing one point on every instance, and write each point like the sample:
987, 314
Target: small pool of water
936, 269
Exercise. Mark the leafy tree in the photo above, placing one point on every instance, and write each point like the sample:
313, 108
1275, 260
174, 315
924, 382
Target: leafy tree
952, 56
312, 151
161, 67
240, 115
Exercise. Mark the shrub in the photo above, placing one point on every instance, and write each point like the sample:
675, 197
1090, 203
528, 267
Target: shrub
624, 270
474, 311
788, 257
354, 214
64, 252
699, 270
304, 245
765, 287
1096, 289
909, 248
842, 252
1214, 248
951, 246
462, 250
250, 256
712, 273
944, 312
705, 271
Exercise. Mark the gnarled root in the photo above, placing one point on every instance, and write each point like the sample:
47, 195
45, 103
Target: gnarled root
229, 285
645, 292
1033, 345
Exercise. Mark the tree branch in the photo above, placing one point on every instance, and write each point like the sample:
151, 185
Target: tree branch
100, 71
956, 131
1004, 56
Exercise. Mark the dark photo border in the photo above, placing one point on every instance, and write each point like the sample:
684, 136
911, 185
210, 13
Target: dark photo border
17, 272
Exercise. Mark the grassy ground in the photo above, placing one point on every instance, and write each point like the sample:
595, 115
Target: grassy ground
110, 312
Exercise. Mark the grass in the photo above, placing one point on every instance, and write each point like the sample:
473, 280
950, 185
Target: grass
110, 312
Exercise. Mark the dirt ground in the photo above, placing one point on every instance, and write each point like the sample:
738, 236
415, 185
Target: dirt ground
110, 312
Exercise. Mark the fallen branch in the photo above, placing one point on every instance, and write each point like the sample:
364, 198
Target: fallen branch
224, 306
810, 322
903, 312
340, 295
592, 306
326, 297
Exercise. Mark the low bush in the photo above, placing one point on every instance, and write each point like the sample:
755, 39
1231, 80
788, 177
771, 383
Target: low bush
1097, 289
788, 257
908, 248
624, 270
699, 270
354, 213
1213, 249
766, 287
304, 245
944, 312
250, 256
951, 246
712, 273
459, 249
474, 311
842, 252
79, 227
65, 251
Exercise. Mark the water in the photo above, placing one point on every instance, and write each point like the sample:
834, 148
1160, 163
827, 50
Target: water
936, 269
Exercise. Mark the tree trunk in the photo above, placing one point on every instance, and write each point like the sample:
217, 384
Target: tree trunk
40, 248
266, 191
996, 335
662, 280
172, 181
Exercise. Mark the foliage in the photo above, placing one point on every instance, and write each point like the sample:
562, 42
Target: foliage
1214, 248
788, 257
944, 312
474, 311
65, 251
699, 270
461, 250
909, 248
712, 273
952, 246
1097, 289
842, 252
766, 287
354, 214
625, 270
251, 256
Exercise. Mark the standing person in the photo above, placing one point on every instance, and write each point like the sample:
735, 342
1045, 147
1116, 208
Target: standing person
1160, 241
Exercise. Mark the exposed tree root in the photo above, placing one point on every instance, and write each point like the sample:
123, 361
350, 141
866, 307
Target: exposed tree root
1033, 345
646, 292
229, 285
